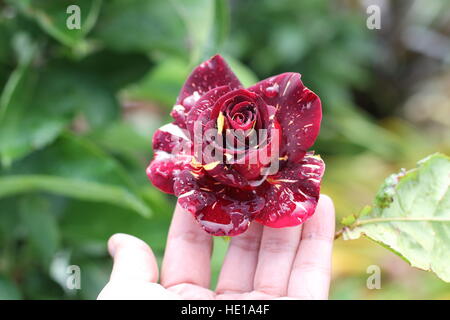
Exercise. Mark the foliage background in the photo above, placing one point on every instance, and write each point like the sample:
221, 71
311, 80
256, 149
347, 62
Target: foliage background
78, 108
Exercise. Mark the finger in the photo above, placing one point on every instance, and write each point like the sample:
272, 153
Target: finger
239, 266
188, 252
310, 276
276, 256
135, 290
253, 295
192, 292
133, 259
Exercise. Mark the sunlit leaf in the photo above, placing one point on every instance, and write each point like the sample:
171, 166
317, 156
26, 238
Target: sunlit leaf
411, 216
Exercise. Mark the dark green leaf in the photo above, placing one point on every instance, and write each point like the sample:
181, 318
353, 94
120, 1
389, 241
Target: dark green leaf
40, 224
44, 102
87, 223
141, 26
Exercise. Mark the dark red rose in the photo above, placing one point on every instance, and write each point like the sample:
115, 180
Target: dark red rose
234, 155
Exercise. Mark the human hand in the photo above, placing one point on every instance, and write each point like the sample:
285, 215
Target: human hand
262, 263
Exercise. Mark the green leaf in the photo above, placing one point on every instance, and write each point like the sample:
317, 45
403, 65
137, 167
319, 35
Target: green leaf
125, 142
85, 223
84, 190
76, 168
346, 221
43, 103
198, 17
5, 42
411, 216
114, 69
141, 26
245, 75
41, 226
25, 50
162, 84
221, 23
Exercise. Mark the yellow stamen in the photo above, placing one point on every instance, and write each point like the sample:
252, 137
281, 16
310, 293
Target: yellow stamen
220, 122
211, 165
195, 163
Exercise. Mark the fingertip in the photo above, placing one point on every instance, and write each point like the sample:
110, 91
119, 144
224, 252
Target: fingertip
322, 223
120, 240
113, 242
133, 258
326, 203
325, 210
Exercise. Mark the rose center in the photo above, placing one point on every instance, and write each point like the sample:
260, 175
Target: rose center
242, 115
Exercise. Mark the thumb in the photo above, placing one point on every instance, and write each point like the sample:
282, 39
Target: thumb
133, 259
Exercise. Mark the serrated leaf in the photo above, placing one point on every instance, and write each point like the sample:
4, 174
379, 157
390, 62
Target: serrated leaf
411, 216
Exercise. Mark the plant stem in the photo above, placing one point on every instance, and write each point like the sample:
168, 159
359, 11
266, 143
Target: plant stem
358, 223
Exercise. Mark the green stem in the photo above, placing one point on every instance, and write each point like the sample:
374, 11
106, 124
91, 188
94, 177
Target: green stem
381, 220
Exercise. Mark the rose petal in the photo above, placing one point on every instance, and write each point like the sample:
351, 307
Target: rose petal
299, 111
203, 107
210, 74
164, 169
223, 196
292, 195
172, 153
220, 210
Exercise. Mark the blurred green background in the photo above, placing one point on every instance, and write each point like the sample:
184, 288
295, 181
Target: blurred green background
78, 109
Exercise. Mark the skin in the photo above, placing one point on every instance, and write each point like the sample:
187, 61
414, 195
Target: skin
262, 263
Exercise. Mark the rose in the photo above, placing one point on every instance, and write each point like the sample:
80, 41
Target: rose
233, 155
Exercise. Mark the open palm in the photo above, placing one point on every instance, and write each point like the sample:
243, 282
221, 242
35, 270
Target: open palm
262, 263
